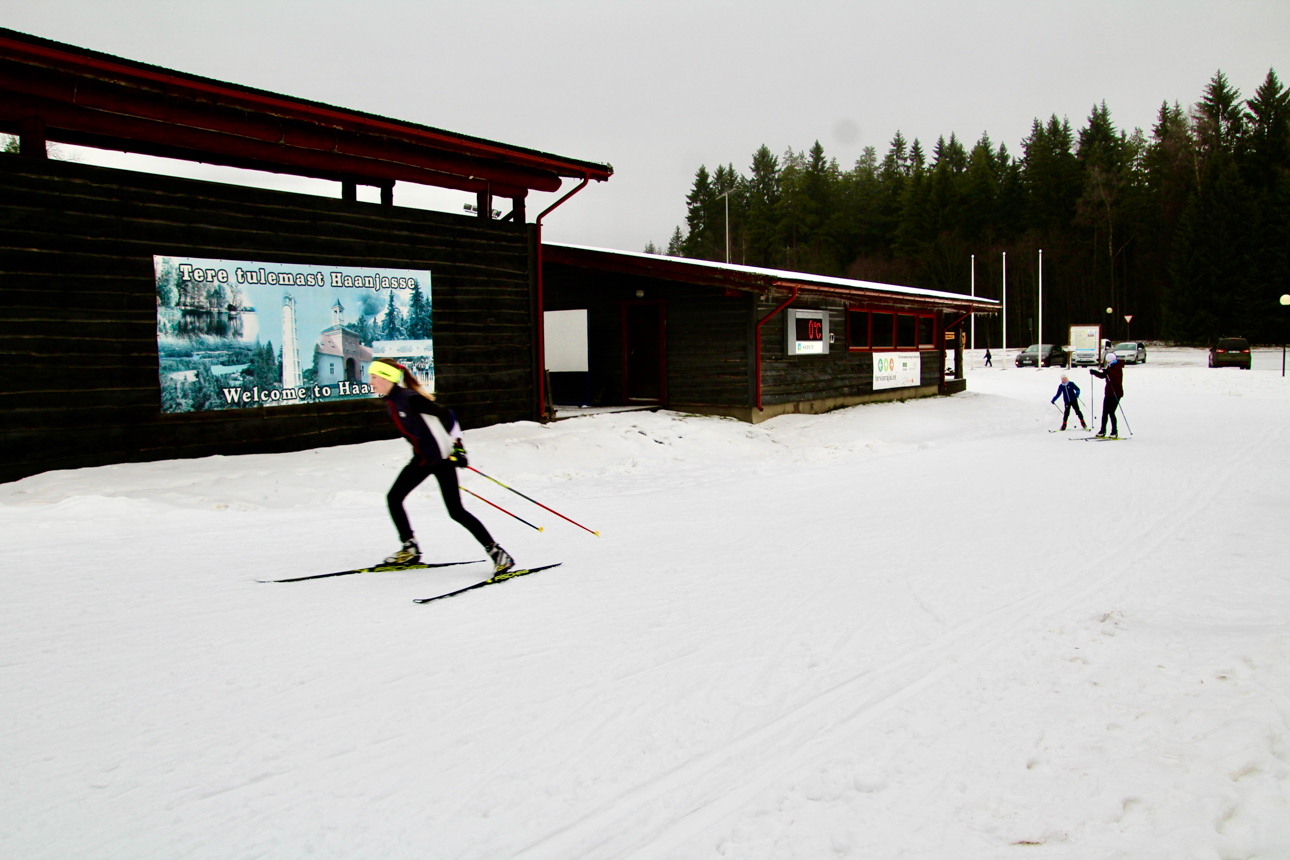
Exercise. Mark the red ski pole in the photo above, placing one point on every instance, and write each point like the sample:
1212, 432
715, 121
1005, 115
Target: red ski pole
534, 501
502, 509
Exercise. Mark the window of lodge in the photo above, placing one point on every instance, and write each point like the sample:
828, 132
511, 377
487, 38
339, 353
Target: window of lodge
874, 330
858, 329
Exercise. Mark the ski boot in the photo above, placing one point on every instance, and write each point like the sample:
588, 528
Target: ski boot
1063, 426
409, 554
502, 560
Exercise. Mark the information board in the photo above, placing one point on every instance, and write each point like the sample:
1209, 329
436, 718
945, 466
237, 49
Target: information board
897, 370
1086, 342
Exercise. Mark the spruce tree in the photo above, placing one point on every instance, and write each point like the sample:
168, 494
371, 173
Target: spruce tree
676, 245
698, 209
763, 203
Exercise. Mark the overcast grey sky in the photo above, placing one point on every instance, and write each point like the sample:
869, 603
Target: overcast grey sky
658, 88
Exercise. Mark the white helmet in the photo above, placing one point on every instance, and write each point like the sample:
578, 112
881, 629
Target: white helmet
1112, 358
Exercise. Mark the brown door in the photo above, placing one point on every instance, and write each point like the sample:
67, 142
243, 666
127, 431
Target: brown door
644, 353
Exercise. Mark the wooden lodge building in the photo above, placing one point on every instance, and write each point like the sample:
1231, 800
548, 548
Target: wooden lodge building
751, 343
81, 308
79, 301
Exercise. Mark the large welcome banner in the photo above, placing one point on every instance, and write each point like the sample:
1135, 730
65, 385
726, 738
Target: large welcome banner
234, 334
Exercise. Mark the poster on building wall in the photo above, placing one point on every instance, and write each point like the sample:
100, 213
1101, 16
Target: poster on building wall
236, 334
896, 370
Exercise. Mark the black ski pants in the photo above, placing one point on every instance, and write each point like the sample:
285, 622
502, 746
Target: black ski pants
1110, 403
446, 474
1074, 404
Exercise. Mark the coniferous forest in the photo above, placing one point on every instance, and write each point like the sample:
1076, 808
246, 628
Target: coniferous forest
1186, 227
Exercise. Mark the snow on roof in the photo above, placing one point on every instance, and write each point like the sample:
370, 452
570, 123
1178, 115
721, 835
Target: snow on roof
743, 275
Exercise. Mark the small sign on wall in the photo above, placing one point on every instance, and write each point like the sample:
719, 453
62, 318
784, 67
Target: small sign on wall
896, 370
565, 341
806, 332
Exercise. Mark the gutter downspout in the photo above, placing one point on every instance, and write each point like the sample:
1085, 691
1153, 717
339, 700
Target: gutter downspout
541, 319
757, 336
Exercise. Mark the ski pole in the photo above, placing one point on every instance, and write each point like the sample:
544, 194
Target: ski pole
534, 501
1120, 405
502, 509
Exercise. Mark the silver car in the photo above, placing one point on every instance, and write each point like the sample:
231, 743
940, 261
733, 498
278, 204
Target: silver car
1131, 352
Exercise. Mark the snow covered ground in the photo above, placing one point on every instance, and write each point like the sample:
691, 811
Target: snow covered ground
928, 629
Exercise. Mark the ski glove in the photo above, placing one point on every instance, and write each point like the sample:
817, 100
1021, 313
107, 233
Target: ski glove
458, 457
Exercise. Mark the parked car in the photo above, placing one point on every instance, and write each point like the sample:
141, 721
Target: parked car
1090, 357
1131, 352
1084, 357
1230, 352
1053, 356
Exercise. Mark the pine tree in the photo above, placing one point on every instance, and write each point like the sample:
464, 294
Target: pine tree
676, 245
1220, 117
763, 203
1265, 161
418, 325
392, 324
698, 211
1268, 141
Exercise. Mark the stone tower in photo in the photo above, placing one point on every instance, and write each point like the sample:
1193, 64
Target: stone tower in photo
291, 375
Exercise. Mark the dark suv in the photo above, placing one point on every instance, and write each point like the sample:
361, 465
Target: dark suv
1054, 356
1230, 352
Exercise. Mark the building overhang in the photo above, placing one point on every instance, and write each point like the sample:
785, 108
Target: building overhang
763, 281
52, 91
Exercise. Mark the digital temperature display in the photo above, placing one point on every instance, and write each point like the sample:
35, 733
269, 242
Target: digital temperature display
810, 329
806, 332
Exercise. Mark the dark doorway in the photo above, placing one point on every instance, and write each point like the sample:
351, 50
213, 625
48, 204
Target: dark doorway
644, 353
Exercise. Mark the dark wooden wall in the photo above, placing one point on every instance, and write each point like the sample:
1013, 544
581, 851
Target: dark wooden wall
710, 342
78, 311
707, 332
841, 373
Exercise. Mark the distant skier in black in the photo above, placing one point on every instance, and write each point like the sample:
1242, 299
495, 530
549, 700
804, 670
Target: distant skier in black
1069, 392
437, 450
988, 362
1114, 376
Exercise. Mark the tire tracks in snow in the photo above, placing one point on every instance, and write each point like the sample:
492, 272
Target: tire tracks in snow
658, 817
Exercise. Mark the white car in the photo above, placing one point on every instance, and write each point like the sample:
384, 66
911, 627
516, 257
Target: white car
1131, 352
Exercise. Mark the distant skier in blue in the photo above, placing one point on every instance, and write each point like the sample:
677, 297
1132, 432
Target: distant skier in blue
1069, 392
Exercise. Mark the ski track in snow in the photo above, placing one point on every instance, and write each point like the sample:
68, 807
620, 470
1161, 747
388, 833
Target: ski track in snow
921, 629
809, 729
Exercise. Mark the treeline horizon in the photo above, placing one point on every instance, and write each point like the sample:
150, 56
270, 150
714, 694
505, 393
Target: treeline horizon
1185, 227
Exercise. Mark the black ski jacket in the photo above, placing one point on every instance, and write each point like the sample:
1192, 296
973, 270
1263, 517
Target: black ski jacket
1114, 376
430, 428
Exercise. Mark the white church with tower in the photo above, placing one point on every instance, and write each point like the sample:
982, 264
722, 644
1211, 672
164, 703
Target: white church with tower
340, 356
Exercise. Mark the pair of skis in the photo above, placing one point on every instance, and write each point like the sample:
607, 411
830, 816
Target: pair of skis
493, 580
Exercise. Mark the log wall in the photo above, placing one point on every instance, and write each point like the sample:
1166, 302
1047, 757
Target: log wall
78, 311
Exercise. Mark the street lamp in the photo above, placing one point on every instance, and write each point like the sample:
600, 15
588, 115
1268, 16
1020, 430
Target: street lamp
1285, 301
726, 194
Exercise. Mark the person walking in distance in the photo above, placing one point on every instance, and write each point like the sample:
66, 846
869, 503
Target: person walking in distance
1114, 376
988, 361
1069, 392
436, 450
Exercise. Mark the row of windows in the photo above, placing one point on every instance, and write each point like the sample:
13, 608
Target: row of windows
886, 330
